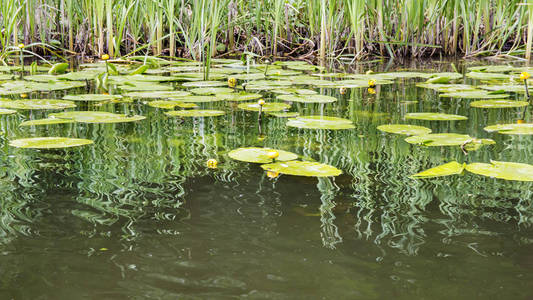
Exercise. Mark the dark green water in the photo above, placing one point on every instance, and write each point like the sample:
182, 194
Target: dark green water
138, 215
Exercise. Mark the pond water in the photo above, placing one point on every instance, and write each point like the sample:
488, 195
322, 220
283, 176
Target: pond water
138, 215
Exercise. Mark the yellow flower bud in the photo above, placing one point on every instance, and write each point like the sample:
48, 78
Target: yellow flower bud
372, 83
524, 76
212, 163
273, 154
261, 102
21, 45
272, 174
520, 121
371, 91
232, 82
105, 57
23, 95
343, 90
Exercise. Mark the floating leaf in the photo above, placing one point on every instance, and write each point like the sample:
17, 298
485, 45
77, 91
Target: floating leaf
292, 91
91, 97
302, 168
267, 107
58, 68
241, 96
157, 94
19, 87
307, 98
195, 113
96, 117
197, 99
204, 84
503, 170
451, 168
491, 69
260, 155
320, 122
446, 139
498, 104
519, 129
211, 90
488, 76
48, 121
36, 104
284, 114
141, 86
404, 129
511, 88
7, 111
474, 94
434, 117
171, 104
49, 142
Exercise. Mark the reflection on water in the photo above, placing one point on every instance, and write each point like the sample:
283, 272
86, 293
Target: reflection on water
139, 216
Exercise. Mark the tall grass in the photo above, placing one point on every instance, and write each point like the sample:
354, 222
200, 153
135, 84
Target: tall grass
299, 28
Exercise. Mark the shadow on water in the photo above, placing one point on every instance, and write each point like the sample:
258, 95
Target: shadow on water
137, 215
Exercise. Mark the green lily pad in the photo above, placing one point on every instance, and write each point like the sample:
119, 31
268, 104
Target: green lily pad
320, 122
267, 107
260, 155
91, 97
19, 87
302, 168
36, 104
195, 113
446, 139
508, 88
404, 129
157, 94
204, 84
47, 121
4, 77
434, 117
241, 96
451, 168
491, 69
197, 99
211, 90
49, 142
488, 76
519, 129
474, 94
288, 114
170, 104
80, 75
96, 117
503, 170
447, 88
140, 78
498, 104
41, 78
7, 111
292, 91
250, 76
307, 98
143, 86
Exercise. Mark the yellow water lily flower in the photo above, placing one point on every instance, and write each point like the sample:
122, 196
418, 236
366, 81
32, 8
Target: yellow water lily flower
105, 57
272, 174
21, 45
23, 95
212, 163
524, 76
371, 91
232, 82
273, 154
372, 83
520, 121
343, 90
261, 102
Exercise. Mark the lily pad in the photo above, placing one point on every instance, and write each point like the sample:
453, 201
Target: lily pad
288, 114
211, 90
96, 117
503, 170
307, 98
451, 168
143, 86
491, 69
260, 155
404, 129
91, 97
302, 168
49, 142
204, 84
19, 87
267, 107
508, 88
197, 99
445, 139
474, 94
498, 104
157, 94
488, 76
241, 96
519, 129
434, 117
7, 111
195, 113
36, 104
47, 121
320, 122
169, 104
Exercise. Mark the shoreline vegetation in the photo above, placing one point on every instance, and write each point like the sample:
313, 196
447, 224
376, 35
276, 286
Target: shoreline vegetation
274, 29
